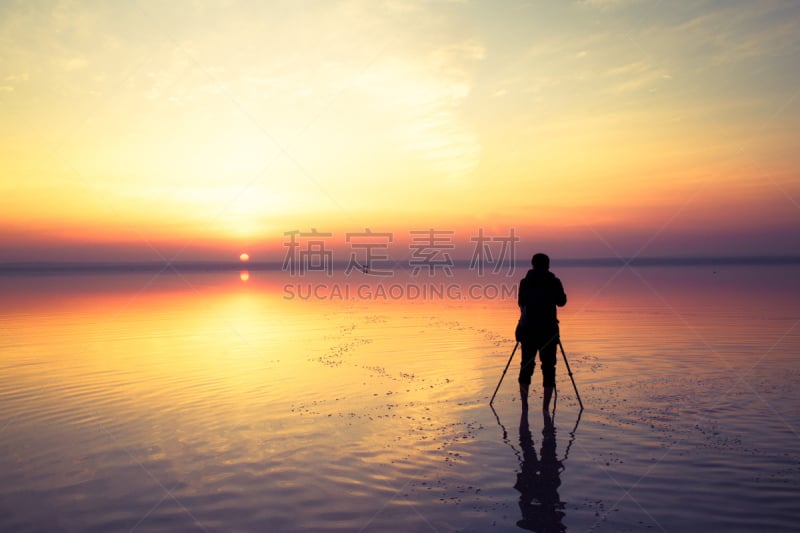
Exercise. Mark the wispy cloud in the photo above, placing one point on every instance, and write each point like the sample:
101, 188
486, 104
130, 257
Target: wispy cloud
23, 76
606, 4
424, 100
635, 76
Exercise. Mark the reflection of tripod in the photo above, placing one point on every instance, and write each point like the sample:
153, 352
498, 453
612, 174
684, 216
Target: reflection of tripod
569, 371
539, 479
517, 453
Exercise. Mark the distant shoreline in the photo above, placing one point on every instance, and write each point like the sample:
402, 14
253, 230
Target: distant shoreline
221, 266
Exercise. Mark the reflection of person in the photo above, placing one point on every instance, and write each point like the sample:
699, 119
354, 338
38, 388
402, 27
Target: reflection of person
540, 291
539, 479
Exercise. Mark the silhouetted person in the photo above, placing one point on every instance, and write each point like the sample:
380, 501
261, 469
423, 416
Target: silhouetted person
539, 479
540, 292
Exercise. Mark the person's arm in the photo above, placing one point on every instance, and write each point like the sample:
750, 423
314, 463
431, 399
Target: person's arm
561, 296
521, 294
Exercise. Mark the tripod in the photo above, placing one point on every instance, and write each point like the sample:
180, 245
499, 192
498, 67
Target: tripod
569, 371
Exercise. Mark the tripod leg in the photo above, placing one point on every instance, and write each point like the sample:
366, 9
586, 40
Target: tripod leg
504, 373
569, 371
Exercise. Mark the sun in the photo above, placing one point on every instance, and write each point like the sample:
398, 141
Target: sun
244, 257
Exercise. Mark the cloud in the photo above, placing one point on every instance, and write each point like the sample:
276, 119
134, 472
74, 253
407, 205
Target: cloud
340, 91
423, 100
24, 76
73, 63
634, 76
729, 33
605, 4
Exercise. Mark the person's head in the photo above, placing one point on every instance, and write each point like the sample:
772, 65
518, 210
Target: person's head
540, 262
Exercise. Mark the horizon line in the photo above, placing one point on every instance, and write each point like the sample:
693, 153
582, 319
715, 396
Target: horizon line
22, 267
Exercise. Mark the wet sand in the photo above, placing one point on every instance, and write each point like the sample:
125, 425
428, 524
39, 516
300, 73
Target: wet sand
211, 404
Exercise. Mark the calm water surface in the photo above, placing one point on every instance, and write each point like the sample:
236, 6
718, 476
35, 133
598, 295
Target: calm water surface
205, 402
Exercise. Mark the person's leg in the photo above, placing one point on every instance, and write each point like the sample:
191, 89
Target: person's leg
547, 355
527, 365
547, 394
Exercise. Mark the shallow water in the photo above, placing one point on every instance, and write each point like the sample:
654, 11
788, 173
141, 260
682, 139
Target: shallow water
204, 402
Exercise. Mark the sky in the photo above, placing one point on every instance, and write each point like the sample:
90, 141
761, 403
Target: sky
185, 130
